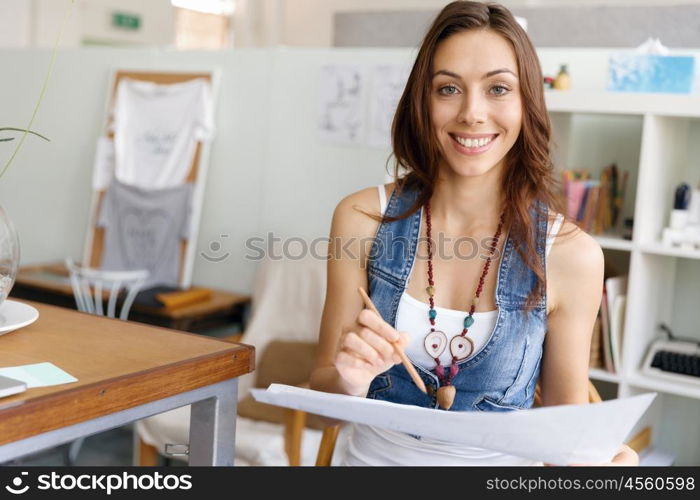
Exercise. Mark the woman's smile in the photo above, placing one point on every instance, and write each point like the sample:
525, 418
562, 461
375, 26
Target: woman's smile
473, 146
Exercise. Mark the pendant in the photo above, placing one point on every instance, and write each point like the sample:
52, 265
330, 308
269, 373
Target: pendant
461, 347
446, 396
435, 343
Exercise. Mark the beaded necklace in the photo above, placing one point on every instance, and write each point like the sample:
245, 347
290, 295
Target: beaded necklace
461, 346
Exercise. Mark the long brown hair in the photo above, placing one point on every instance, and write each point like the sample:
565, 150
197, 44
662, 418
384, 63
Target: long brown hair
529, 172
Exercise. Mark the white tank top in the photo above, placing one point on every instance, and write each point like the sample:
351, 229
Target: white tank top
368, 445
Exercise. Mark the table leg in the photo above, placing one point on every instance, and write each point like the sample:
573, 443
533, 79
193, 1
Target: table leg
213, 427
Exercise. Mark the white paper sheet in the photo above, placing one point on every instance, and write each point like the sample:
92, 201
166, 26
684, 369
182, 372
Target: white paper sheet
342, 107
565, 434
103, 169
388, 82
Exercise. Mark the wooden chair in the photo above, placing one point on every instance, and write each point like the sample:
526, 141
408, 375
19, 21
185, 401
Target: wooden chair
330, 433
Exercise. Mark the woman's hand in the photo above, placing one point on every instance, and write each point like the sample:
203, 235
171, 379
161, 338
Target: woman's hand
626, 456
367, 351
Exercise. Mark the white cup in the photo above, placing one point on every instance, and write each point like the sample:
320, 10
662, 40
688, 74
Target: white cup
679, 219
694, 207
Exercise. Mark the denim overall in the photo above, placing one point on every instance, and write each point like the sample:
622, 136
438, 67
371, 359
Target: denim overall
502, 375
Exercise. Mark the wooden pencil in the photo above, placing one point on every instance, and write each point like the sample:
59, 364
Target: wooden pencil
397, 347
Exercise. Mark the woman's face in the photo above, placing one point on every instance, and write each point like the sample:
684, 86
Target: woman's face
476, 107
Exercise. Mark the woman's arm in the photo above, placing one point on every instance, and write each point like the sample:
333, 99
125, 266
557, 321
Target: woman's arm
575, 271
354, 345
575, 267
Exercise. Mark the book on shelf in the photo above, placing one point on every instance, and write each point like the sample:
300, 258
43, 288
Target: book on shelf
606, 343
595, 204
617, 321
590, 208
615, 299
605, 333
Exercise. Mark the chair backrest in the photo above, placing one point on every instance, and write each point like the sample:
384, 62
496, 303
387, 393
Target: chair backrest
90, 286
288, 296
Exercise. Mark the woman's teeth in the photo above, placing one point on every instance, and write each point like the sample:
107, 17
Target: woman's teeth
474, 143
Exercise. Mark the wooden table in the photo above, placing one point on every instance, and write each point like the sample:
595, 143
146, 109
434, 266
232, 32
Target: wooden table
126, 371
50, 284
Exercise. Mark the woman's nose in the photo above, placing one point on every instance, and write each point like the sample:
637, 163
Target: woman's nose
473, 111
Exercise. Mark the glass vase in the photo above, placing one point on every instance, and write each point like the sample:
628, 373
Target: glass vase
9, 254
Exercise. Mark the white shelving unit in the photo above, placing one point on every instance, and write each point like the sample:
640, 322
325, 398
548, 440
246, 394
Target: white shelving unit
657, 139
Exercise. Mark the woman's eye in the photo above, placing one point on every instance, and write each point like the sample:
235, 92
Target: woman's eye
504, 90
448, 90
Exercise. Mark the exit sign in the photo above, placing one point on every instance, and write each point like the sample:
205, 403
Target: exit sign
126, 21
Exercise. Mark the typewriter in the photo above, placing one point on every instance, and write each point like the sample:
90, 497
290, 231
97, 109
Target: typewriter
674, 359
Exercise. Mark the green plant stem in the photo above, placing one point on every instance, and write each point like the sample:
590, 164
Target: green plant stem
43, 91
22, 130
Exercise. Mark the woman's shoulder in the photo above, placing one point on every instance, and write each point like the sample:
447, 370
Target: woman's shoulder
368, 196
575, 264
355, 207
353, 225
574, 252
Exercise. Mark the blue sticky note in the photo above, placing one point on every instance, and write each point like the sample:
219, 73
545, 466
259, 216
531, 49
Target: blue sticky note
38, 374
651, 73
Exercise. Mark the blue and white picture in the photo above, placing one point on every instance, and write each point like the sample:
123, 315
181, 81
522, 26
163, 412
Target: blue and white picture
651, 73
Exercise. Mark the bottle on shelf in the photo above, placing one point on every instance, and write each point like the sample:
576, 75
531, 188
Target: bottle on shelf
562, 80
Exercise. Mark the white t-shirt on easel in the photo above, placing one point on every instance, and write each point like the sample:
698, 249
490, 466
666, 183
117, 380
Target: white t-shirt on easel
156, 128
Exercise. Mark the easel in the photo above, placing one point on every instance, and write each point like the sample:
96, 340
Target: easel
94, 243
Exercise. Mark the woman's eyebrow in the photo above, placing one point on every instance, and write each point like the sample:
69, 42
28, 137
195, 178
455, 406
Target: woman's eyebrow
497, 71
487, 75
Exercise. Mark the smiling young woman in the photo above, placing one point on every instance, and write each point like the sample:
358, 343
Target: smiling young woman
476, 110
472, 134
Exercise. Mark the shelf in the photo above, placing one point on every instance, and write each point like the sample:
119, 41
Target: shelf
612, 242
655, 137
600, 374
679, 388
656, 457
661, 249
571, 101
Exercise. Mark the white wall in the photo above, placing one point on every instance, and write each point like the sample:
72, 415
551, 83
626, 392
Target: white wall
309, 23
15, 18
36, 23
257, 23
268, 171
157, 21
